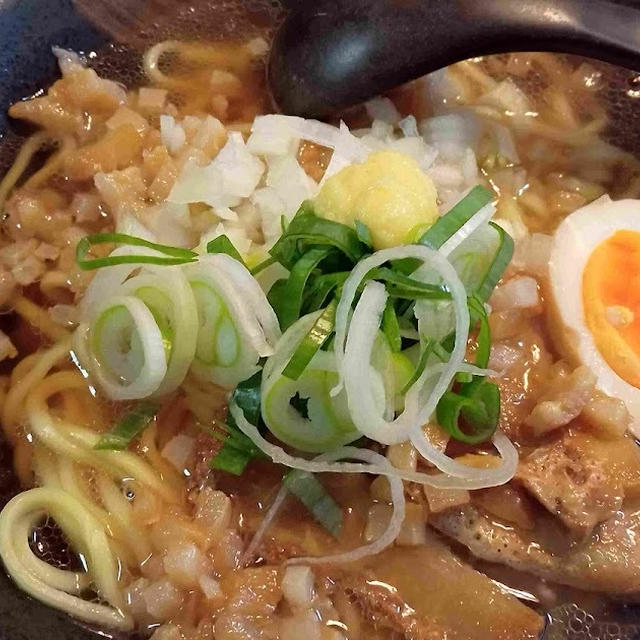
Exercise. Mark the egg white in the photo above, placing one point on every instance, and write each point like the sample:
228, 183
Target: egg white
574, 241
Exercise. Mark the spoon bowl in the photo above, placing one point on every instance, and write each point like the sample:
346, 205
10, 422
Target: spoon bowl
332, 54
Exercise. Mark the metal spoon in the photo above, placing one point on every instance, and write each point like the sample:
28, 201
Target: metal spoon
331, 54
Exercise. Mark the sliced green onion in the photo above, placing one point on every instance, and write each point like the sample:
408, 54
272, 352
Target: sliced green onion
175, 255
308, 230
479, 408
391, 328
403, 369
302, 413
321, 288
309, 490
288, 303
406, 266
420, 367
478, 315
457, 217
399, 285
364, 233
277, 295
501, 260
441, 351
262, 265
218, 345
247, 396
238, 450
481, 259
231, 459
318, 334
124, 348
324, 424
128, 427
222, 244
483, 339
167, 294
237, 325
159, 305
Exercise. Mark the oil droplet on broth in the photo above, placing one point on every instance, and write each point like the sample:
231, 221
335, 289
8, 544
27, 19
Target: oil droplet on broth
634, 87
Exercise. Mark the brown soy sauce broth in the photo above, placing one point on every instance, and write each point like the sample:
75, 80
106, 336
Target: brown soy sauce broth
618, 92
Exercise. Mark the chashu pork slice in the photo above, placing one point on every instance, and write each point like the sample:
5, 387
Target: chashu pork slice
607, 561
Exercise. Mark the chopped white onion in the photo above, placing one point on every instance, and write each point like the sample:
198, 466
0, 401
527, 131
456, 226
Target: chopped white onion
162, 599
347, 149
507, 97
126, 116
172, 134
236, 233
461, 128
298, 586
409, 127
184, 562
533, 254
506, 143
520, 292
232, 175
169, 223
178, 451
68, 61
382, 108
240, 170
303, 624
272, 135
271, 207
152, 99
130, 225
210, 587
291, 183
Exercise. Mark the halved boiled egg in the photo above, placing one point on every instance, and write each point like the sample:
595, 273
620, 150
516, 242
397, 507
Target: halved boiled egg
595, 284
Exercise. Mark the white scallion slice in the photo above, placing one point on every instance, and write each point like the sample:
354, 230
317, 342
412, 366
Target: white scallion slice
324, 429
354, 345
125, 347
497, 475
473, 224
395, 522
327, 424
287, 345
167, 294
489, 478
480, 261
236, 324
107, 280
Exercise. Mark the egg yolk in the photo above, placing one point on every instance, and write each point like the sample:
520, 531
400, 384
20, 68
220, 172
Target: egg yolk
388, 192
611, 302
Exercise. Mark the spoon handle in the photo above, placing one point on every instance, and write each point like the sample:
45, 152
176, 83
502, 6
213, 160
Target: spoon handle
330, 54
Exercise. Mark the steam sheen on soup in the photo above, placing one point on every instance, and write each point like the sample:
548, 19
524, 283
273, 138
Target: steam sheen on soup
267, 377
